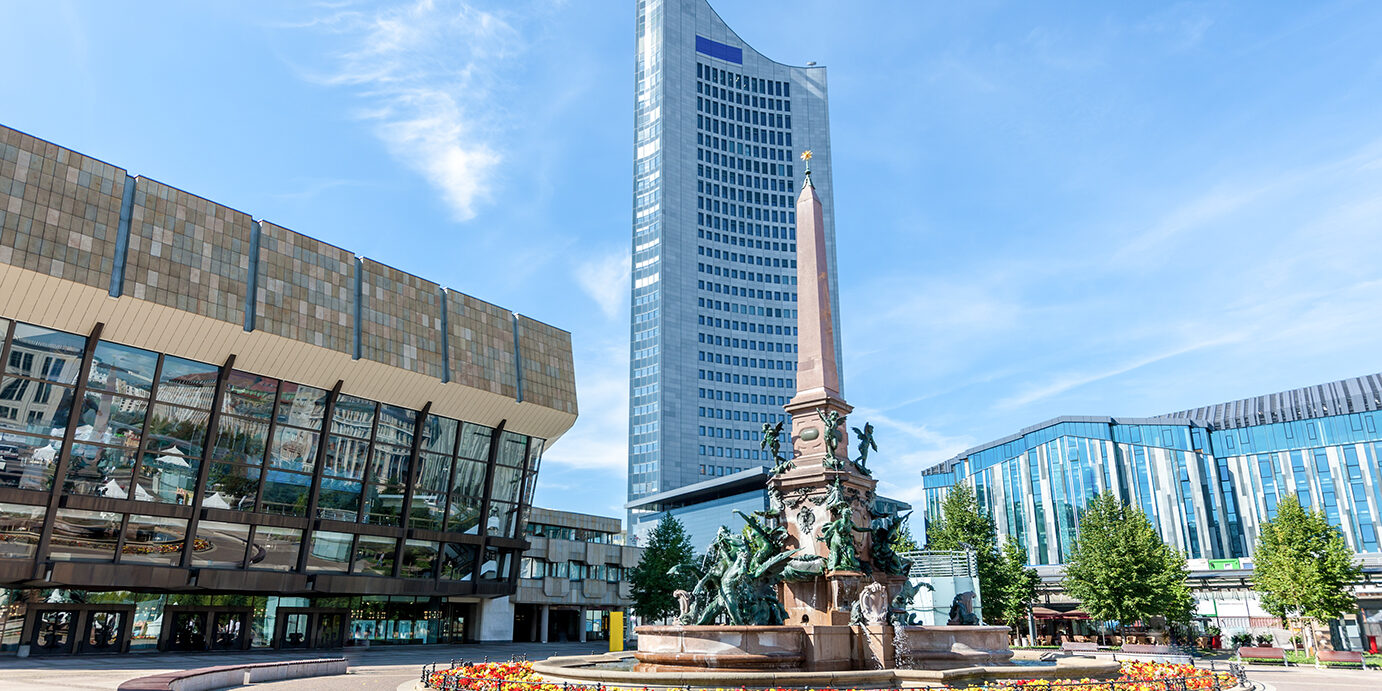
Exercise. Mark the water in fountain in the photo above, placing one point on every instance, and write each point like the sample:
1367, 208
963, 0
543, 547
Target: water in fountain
902, 648
877, 659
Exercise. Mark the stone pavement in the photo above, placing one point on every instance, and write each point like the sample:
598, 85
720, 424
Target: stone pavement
1276, 678
379, 667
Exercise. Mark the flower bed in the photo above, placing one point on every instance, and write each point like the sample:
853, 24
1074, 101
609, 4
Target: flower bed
519, 676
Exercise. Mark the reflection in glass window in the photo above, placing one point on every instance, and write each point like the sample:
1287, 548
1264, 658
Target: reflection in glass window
330, 552
153, 540
240, 441
513, 450
168, 475
429, 494
439, 434
353, 417
231, 487
34, 407
109, 419
339, 499
274, 549
20, 526
294, 449
249, 395
457, 562
495, 566
383, 504
465, 514
475, 442
105, 471
374, 555
187, 382
85, 535
470, 479
29, 461
346, 457
122, 369
179, 429
41, 353
220, 545
395, 426
301, 405
507, 483
502, 518
390, 467
286, 493
419, 559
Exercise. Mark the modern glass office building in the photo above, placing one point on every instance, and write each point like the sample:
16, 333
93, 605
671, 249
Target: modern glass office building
217, 433
1207, 478
718, 131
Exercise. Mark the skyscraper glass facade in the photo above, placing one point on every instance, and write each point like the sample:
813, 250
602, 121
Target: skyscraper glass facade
718, 129
1207, 478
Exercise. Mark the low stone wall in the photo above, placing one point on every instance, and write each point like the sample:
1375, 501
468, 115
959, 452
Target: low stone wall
206, 678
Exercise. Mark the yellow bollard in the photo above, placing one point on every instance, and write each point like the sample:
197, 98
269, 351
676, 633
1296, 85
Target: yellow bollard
616, 632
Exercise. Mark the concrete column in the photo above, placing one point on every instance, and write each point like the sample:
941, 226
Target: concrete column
543, 625
580, 618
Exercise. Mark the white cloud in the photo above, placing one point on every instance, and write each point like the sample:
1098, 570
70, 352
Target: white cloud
1069, 381
606, 280
426, 73
599, 440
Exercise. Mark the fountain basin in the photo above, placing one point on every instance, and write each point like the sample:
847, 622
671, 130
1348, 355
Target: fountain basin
817, 648
722, 647
586, 669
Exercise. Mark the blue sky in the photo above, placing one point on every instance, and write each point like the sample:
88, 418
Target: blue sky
1042, 208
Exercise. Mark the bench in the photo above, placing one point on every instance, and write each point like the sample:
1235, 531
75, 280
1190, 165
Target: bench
1343, 657
225, 676
1257, 654
1154, 653
1071, 647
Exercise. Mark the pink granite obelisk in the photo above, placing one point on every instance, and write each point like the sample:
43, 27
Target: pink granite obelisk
815, 490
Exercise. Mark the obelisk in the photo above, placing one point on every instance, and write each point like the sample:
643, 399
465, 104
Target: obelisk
823, 487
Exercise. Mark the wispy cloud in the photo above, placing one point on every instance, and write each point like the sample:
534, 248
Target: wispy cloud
1066, 382
599, 440
426, 75
605, 280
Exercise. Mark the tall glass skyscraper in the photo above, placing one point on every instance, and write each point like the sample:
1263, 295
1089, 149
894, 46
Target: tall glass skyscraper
718, 129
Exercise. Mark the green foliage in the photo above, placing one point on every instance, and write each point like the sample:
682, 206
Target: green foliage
1303, 567
963, 525
651, 583
1120, 569
1016, 588
903, 540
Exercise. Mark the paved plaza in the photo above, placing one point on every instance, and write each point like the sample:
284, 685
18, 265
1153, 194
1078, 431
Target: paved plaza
389, 668
380, 667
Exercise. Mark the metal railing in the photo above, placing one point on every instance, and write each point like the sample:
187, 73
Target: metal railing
940, 564
1215, 682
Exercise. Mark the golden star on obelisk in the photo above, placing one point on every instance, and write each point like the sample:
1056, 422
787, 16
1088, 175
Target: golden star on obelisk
806, 155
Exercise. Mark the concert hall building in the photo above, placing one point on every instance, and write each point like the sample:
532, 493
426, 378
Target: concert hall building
217, 433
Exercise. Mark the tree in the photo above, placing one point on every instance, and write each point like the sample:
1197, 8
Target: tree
1303, 567
651, 583
1017, 588
1120, 569
903, 540
962, 525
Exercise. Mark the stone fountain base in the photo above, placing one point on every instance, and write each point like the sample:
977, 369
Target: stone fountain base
818, 648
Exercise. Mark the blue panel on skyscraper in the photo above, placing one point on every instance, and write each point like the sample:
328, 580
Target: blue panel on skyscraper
715, 49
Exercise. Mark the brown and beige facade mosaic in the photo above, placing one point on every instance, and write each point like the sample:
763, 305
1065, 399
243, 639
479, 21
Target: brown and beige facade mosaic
235, 282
